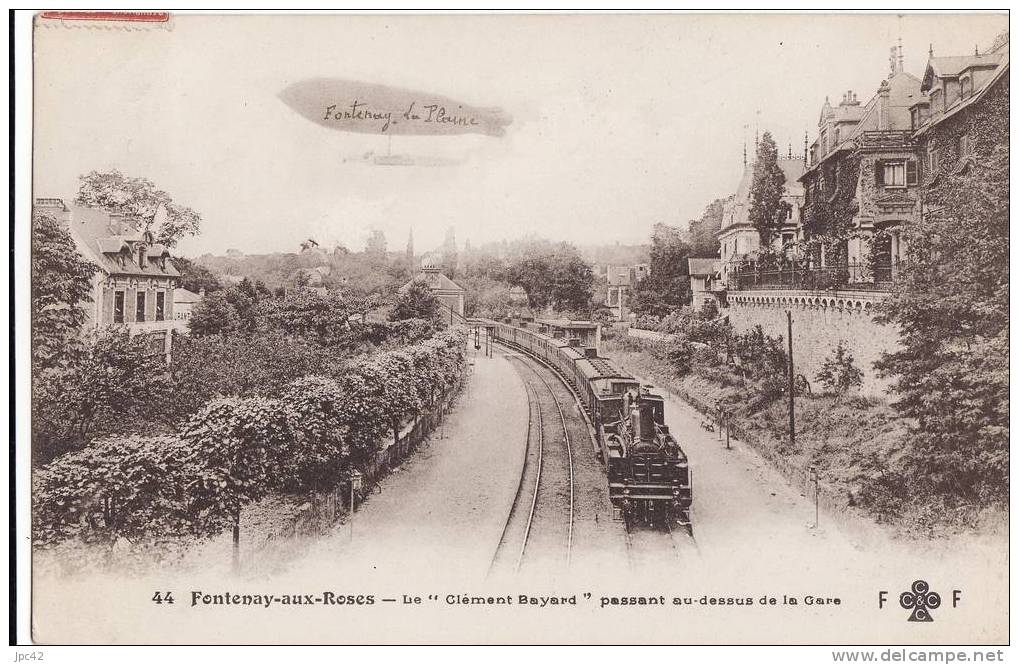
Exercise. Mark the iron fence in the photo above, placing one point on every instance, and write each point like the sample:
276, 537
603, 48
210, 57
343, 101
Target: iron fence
852, 276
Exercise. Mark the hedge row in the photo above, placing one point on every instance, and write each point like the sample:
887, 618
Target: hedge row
237, 450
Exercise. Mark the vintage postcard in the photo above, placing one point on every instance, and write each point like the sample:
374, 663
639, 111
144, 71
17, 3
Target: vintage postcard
520, 329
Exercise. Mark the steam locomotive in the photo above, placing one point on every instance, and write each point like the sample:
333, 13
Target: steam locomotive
648, 473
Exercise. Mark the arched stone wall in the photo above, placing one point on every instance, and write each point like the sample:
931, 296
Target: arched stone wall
820, 321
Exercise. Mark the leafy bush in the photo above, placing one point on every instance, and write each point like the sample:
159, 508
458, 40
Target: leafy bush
416, 301
709, 310
236, 450
762, 358
838, 373
204, 368
237, 446
681, 353
131, 487
113, 379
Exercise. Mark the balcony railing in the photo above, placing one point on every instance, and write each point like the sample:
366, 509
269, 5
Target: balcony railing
851, 277
886, 138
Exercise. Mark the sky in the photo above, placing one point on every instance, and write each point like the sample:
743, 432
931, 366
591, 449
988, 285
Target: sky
618, 122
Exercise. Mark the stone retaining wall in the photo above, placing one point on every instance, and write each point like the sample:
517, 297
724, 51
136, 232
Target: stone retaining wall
820, 321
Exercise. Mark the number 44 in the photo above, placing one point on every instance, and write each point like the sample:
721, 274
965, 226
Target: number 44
160, 598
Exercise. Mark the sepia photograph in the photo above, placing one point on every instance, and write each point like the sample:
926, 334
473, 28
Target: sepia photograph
518, 328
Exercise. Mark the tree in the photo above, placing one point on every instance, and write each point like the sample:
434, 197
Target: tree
115, 192
61, 286
415, 302
114, 380
533, 273
319, 447
703, 242
486, 297
667, 287
767, 210
262, 363
324, 319
195, 277
951, 306
238, 445
245, 297
213, 315
553, 276
572, 280
762, 357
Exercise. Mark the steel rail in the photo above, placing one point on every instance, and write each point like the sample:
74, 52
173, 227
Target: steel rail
569, 455
531, 401
537, 483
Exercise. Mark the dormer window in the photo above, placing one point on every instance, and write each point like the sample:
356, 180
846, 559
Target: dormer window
141, 256
966, 86
936, 101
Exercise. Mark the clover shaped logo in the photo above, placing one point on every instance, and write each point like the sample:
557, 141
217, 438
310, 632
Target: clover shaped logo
921, 600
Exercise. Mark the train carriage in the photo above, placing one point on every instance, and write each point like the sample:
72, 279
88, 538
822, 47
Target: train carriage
648, 473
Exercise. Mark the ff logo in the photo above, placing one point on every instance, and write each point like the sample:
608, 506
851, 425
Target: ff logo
920, 600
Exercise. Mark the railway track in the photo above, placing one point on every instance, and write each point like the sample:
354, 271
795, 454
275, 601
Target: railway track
649, 549
541, 520
653, 549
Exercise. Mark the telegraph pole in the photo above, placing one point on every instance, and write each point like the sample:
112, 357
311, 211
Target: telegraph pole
792, 389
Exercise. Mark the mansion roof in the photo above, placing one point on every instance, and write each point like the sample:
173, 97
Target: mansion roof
112, 241
736, 211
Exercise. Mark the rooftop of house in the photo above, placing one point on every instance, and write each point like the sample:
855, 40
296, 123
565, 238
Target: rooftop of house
182, 296
996, 58
954, 65
111, 240
702, 267
435, 280
887, 110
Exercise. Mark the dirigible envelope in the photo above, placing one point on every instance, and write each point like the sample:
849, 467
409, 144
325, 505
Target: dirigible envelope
369, 108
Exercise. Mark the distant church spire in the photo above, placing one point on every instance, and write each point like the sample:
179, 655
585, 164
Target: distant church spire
410, 245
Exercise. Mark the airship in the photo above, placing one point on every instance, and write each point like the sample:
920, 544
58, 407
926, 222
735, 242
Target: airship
371, 108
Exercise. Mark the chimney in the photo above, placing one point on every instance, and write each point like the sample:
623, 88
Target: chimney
883, 91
